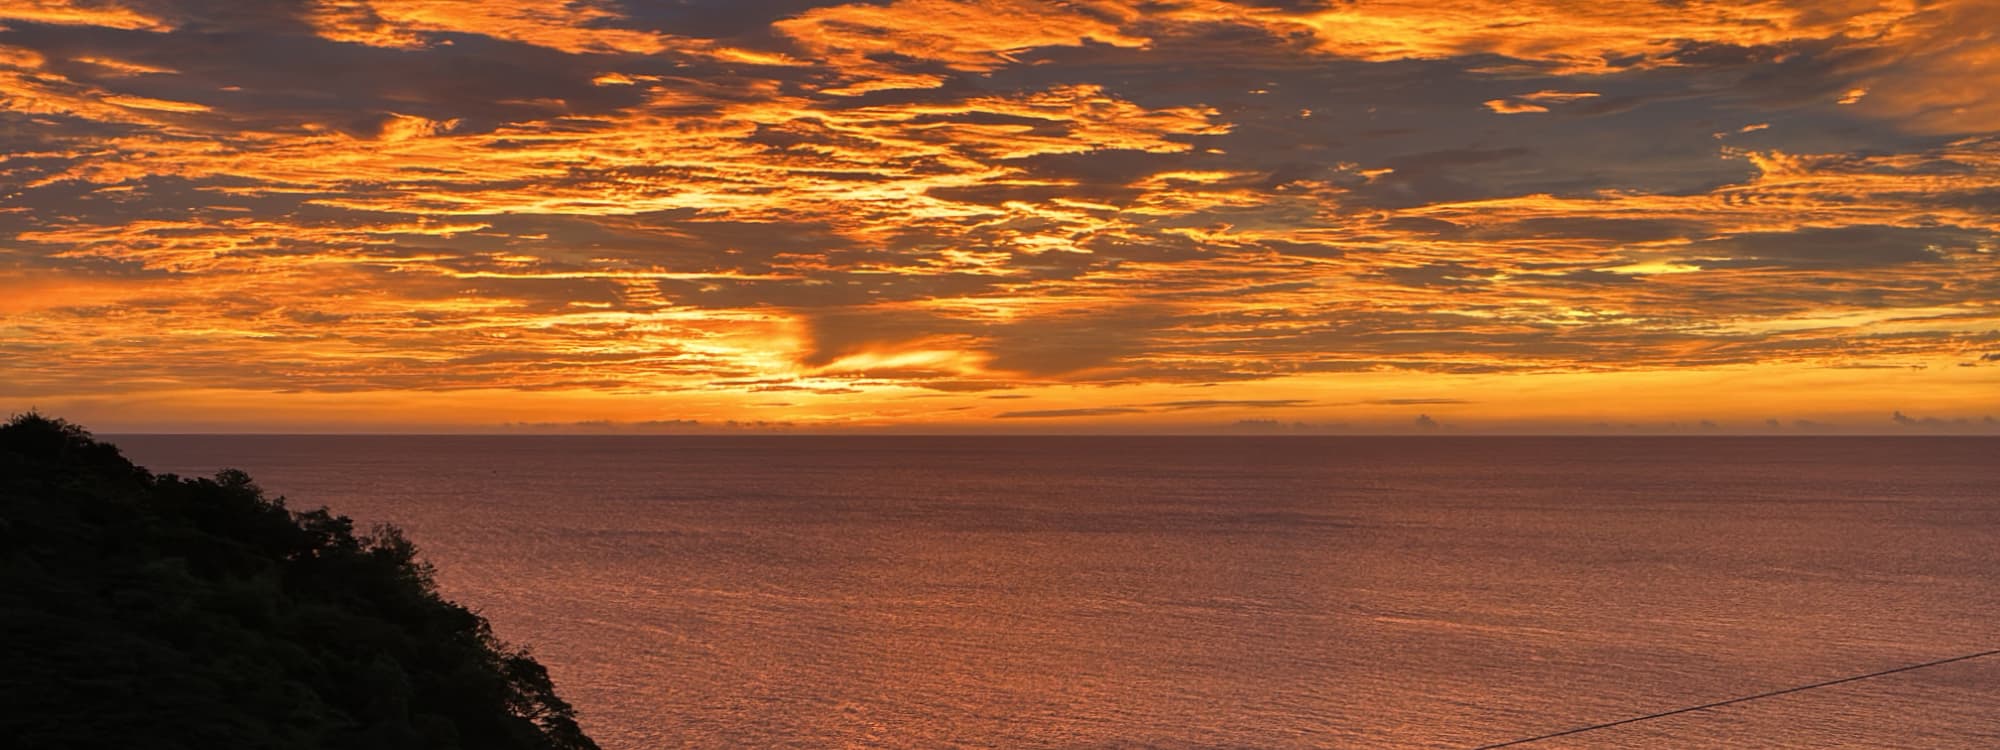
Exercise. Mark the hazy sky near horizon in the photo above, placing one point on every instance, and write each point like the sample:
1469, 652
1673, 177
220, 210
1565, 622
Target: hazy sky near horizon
1097, 214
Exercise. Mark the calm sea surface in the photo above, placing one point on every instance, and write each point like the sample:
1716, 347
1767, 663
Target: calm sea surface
1201, 592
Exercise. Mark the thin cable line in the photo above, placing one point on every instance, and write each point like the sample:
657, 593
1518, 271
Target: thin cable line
1731, 701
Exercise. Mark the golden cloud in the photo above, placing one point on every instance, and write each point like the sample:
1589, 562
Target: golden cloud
1100, 205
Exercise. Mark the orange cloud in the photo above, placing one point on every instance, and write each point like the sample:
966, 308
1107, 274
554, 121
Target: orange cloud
1936, 70
963, 35
557, 24
890, 212
1512, 107
67, 12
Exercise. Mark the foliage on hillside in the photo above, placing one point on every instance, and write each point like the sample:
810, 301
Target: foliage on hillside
159, 612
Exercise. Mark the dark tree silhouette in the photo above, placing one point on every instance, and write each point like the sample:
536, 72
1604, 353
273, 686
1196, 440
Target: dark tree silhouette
143, 611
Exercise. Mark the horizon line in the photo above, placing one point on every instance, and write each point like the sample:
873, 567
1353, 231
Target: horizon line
883, 433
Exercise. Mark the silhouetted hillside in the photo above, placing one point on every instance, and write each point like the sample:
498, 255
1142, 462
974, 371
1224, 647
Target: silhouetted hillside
142, 611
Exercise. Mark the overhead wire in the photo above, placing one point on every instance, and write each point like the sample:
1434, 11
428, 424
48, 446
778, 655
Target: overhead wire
1742, 699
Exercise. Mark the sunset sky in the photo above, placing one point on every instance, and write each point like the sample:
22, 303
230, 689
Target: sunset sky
1107, 215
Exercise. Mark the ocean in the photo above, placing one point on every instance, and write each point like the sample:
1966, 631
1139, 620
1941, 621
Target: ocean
1201, 592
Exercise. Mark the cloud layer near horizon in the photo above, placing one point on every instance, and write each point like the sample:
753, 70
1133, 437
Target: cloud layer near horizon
811, 209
